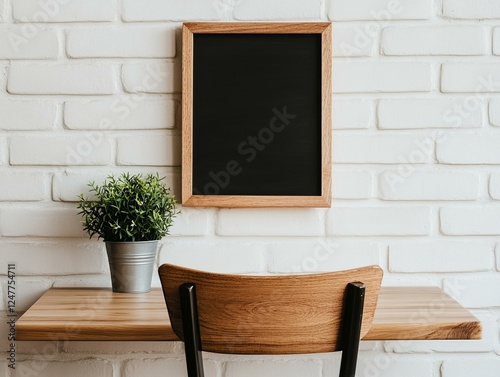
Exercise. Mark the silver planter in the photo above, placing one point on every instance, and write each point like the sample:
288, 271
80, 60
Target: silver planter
131, 265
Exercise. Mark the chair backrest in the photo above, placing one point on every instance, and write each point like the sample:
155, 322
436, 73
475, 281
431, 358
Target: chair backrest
278, 314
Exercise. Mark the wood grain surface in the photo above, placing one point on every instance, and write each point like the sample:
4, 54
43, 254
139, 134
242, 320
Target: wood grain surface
404, 313
293, 314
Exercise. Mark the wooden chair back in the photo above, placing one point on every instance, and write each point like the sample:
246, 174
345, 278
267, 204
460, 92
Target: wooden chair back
292, 314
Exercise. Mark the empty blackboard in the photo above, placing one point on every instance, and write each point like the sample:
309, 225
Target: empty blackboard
256, 114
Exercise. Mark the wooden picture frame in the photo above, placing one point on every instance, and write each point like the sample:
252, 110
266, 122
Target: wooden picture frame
210, 196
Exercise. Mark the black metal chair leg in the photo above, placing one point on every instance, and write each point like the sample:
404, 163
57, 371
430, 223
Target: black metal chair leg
351, 323
191, 330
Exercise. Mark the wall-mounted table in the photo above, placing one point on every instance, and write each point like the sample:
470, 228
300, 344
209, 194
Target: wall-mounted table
403, 313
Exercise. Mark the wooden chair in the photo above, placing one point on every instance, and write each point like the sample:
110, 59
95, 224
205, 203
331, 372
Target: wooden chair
293, 314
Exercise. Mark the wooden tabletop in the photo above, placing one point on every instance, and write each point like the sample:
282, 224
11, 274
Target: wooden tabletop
403, 313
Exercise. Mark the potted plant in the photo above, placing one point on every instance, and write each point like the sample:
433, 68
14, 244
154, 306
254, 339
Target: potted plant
131, 214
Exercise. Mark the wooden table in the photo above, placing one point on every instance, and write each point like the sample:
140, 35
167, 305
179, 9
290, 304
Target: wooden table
403, 313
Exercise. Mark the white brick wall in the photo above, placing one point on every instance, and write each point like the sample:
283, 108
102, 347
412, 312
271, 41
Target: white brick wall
418, 113
18, 186
383, 221
442, 256
382, 148
470, 78
494, 112
2, 10
471, 220
123, 113
351, 185
437, 40
151, 77
27, 115
61, 79
63, 10
112, 42
92, 87
463, 9
172, 10
469, 149
88, 149
277, 10
362, 77
346, 10
16, 43
352, 114
436, 185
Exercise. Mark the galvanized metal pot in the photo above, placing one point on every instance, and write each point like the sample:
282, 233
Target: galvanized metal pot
131, 265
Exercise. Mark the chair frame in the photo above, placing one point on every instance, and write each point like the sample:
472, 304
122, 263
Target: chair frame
352, 316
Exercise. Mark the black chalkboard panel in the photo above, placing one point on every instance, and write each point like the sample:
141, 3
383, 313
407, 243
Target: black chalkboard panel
257, 119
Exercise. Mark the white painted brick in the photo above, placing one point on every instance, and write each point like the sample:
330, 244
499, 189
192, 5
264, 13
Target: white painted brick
428, 185
67, 186
479, 221
2, 10
123, 113
464, 367
153, 150
49, 349
173, 10
90, 281
474, 292
352, 114
494, 112
379, 10
63, 10
40, 222
321, 256
151, 77
61, 79
434, 40
479, 9
221, 257
3, 77
27, 115
269, 222
470, 78
379, 364
77, 368
494, 186
91, 149
273, 368
387, 221
258, 10
354, 40
497, 256
17, 186
469, 149
486, 344
123, 347
192, 222
440, 256
381, 77
15, 43
496, 41
38, 258
382, 148
159, 367
351, 185
120, 42
3, 150
418, 113
28, 291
